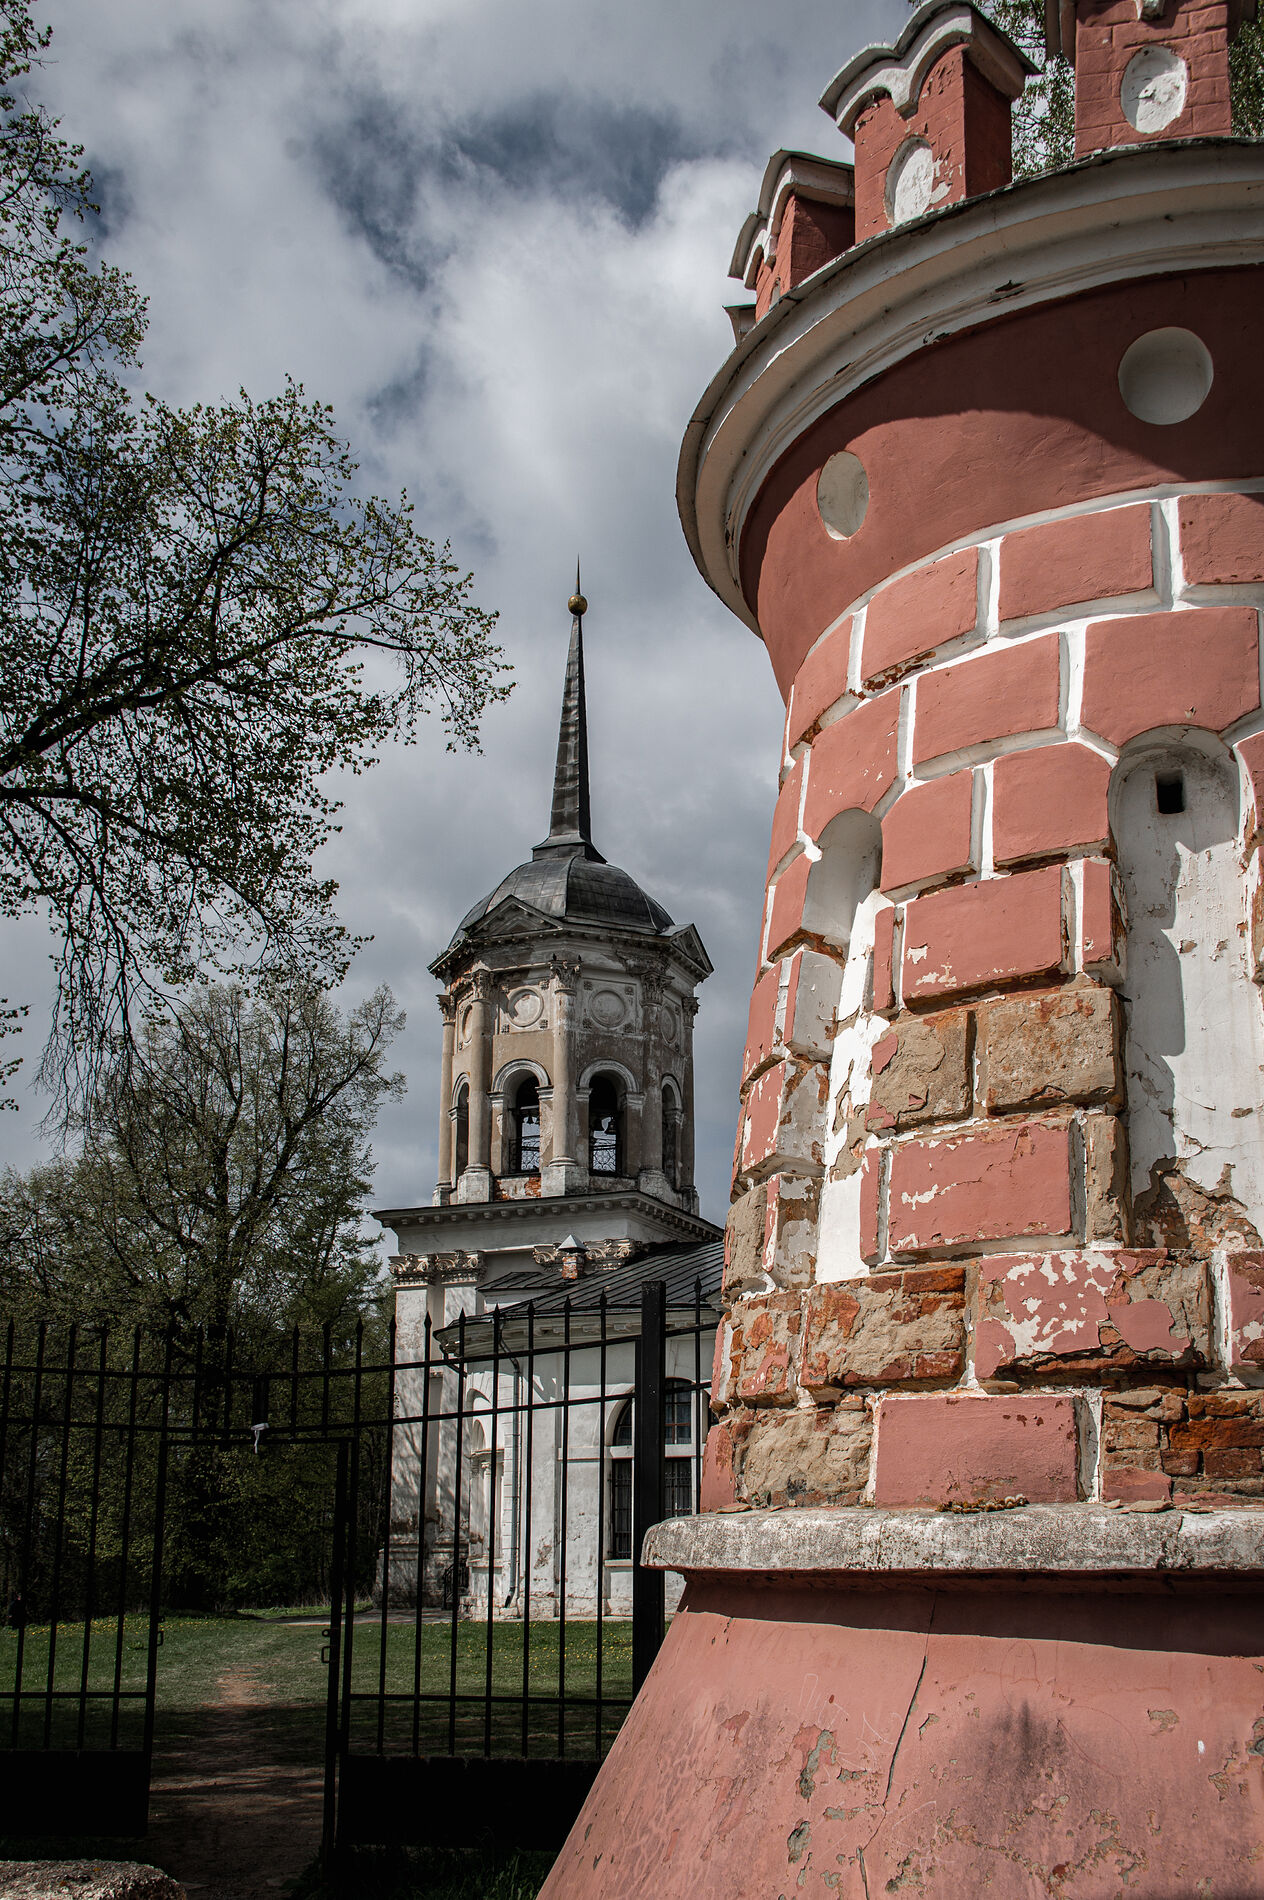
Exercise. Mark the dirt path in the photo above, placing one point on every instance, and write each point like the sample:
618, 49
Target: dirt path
225, 1819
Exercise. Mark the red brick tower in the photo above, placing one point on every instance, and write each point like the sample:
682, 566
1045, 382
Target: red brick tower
975, 1606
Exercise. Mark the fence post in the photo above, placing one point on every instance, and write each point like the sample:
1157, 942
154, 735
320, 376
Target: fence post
333, 1688
648, 1501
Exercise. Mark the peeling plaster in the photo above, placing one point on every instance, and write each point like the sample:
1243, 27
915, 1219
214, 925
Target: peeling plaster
1195, 1045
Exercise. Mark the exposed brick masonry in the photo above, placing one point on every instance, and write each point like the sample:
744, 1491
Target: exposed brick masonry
990, 1149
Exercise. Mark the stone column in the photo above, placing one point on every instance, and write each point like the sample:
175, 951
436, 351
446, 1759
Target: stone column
476, 1183
649, 1151
564, 1174
688, 1193
443, 1189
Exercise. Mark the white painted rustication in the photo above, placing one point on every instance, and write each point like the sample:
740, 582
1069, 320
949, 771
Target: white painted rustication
1153, 89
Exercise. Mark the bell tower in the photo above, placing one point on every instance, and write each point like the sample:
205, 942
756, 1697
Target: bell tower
566, 1091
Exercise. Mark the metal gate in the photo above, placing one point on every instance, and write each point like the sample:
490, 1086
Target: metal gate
473, 1502
83, 1471
530, 1450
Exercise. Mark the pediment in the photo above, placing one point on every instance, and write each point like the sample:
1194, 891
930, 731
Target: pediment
688, 945
512, 918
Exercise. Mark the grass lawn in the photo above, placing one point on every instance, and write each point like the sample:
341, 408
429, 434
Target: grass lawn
275, 1668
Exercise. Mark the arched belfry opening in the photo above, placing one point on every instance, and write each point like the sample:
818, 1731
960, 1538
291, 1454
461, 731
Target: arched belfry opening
607, 1144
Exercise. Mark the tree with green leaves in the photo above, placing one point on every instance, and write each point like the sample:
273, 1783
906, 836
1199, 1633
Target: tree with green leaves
1044, 117
222, 1178
200, 619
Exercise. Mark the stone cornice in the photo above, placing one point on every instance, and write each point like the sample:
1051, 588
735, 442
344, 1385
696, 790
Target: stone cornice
433, 1269
1036, 1540
433, 1220
1131, 213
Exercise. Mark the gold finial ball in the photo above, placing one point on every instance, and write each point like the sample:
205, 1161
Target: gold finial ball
577, 604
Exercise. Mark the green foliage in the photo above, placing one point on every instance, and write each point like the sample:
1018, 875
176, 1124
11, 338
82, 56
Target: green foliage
199, 620
222, 1177
1044, 117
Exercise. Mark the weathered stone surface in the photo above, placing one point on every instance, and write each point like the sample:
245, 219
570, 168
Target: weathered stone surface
1048, 801
717, 1487
1113, 1307
1199, 1448
965, 1448
1003, 930
927, 834
1006, 1181
811, 1004
1153, 670
761, 1028
803, 1456
1245, 1274
744, 1243
1105, 1177
921, 1071
771, 1234
85, 1880
1046, 1539
757, 1351
791, 1229
880, 1331
785, 1118
1056, 1046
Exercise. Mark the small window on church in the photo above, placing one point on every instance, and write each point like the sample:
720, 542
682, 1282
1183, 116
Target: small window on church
605, 1127
671, 1134
462, 1129
678, 1464
526, 1128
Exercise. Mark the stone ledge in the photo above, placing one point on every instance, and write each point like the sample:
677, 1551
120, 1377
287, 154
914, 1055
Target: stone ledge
85, 1880
1034, 1540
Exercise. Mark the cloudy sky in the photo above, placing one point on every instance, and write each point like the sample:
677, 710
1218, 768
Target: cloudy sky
494, 234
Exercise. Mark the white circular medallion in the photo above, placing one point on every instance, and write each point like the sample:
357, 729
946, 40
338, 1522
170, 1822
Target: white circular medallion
1152, 90
608, 1008
910, 190
842, 494
669, 1023
1165, 375
525, 1009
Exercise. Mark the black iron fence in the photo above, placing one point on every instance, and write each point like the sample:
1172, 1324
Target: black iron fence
467, 1500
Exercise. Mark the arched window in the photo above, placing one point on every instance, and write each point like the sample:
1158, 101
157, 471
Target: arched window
671, 1134
678, 1446
605, 1127
462, 1129
525, 1134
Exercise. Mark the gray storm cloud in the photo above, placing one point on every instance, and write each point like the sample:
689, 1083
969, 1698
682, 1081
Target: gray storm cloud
494, 236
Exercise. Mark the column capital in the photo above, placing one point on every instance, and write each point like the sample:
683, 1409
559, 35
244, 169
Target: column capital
565, 973
482, 983
447, 1005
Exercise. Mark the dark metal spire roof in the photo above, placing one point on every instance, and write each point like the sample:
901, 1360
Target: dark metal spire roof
570, 825
566, 877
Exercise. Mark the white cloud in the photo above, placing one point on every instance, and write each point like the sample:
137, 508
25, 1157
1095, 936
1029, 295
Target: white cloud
495, 237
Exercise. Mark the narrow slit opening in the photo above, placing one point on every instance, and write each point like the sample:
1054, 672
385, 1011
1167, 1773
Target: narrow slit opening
1169, 792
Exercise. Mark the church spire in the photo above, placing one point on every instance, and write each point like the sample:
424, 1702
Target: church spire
570, 827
